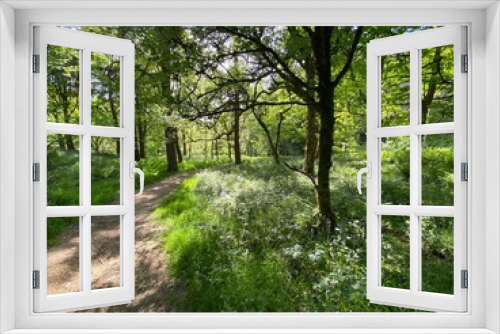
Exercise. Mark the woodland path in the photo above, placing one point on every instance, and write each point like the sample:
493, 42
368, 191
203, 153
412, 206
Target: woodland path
153, 286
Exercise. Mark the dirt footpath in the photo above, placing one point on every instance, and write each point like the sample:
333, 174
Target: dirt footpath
153, 286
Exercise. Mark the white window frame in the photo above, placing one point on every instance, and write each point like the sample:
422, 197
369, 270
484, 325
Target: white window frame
85, 43
413, 43
484, 213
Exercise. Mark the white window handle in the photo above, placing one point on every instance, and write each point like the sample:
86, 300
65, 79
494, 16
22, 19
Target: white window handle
368, 171
134, 170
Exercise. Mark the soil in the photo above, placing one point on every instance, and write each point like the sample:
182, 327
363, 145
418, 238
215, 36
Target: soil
155, 290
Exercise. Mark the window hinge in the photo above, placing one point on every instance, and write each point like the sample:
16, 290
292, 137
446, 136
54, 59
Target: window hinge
465, 63
36, 63
464, 172
465, 279
36, 172
36, 279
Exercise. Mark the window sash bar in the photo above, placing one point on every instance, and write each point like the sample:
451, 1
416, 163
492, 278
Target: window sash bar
80, 211
414, 169
422, 129
76, 129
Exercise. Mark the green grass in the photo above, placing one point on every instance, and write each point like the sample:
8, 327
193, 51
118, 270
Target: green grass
244, 239
245, 283
63, 181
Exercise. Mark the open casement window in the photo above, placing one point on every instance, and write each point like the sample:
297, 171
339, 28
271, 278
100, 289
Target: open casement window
416, 143
83, 131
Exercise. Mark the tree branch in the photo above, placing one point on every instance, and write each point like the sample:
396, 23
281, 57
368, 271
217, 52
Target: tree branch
301, 171
350, 57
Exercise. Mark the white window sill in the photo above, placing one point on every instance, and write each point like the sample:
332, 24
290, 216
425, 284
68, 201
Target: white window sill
250, 331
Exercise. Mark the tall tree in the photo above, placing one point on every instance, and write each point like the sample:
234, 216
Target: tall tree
272, 60
237, 114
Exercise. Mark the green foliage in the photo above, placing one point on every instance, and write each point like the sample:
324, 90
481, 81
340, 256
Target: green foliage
245, 240
437, 254
395, 170
437, 175
63, 85
62, 190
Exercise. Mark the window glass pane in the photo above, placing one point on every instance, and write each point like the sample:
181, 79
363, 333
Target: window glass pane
105, 252
105, 170
63, 170
395, 170
437, 169
437, 254
63, 255
395, 86
437, 84
63, 85
105, 89
395, 252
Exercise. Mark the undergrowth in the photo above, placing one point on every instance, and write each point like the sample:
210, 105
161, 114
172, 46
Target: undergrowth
244, 239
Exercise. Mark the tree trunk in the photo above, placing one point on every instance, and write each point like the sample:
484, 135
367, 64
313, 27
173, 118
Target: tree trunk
321, 39
68, 139
216, 148
62, 142
312, 120
184, 145
237, 151
322, 47
112, 108
178, 151
249, 148
311, 140
229, 147
178, 148
60, 138
137, 150
205, 145
429, 94
170, 148
96, 144
142, 139
212, 150
137, 145
273, 149
170, 131
70, 145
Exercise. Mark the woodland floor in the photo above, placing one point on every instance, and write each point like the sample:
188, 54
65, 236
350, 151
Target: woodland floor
153, 283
